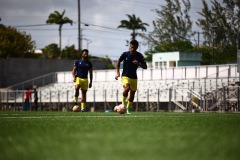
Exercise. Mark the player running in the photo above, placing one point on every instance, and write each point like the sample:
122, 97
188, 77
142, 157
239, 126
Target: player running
80, 75
131, 61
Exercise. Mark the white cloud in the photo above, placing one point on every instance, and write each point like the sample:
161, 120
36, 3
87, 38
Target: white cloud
101, 14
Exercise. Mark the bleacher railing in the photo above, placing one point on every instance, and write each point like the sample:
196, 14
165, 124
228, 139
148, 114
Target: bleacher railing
176, 73
179, 85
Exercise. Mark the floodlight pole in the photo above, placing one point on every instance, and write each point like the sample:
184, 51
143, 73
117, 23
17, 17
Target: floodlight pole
212, 34
79, 27
238, 54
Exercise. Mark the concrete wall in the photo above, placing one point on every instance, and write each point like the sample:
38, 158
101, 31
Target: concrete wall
16, 70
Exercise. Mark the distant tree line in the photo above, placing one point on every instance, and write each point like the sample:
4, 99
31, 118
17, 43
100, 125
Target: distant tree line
219, 26
218, 37
14, 43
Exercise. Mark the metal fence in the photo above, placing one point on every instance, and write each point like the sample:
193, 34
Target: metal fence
222, 99
205, 88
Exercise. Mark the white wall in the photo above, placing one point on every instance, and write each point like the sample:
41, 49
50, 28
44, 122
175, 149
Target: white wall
166, 56
177, 58
190, 72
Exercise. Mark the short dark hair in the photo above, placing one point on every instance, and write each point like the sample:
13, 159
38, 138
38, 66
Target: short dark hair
85, 50
134, 42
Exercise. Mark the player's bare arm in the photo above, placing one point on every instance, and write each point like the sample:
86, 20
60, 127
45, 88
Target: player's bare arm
144, 66
117, 69
74, 73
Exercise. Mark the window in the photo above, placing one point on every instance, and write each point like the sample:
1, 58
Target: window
172, 64
161, 64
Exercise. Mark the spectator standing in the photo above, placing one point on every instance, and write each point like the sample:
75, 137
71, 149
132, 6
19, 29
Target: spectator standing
35, 98
27, 100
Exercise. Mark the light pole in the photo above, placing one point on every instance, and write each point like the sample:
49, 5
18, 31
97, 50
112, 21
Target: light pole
212, 34
88, 41
238, 54
69, 39
79, 27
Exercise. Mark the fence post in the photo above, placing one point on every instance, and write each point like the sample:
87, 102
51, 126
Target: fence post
105, 99
58, 99
185, 70
161, 72
23, 100
94, 98
39, 102
151, 70
67, 100
137, 101
50, 96
147, 100
158, 102
170, 98
238, 92
173, 74
201, 105
205, 85
228, 75
117, 97
206, 72
7, 99
224, 98
15, 98
190, 102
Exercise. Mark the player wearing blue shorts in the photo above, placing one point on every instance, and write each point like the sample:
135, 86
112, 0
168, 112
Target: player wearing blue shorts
80, 75
131, 61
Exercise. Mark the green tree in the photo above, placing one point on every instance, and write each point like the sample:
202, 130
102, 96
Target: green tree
70, 53
14, 43
172, 29
57, 18
220, 25
134, 23
51, 51
181, 46
173, 23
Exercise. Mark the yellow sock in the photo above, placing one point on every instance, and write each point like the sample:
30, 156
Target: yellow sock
82, 105
75, 99
129, 104
124, 100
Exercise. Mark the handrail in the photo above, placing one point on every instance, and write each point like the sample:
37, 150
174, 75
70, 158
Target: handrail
106, 75
31, 80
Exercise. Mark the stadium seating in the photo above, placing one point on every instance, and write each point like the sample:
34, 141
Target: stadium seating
175, 85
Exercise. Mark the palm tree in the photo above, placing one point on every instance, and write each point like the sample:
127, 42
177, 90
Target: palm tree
57, 18
133, 24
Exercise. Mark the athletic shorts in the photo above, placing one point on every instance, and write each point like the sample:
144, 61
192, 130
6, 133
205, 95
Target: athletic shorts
132, 82
83, 82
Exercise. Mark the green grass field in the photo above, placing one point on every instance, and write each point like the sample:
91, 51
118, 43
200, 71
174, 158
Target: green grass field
110, 136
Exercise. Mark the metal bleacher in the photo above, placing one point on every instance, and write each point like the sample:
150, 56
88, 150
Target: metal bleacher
107, 89
175, 85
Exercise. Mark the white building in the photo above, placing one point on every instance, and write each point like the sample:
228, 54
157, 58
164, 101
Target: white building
176, 59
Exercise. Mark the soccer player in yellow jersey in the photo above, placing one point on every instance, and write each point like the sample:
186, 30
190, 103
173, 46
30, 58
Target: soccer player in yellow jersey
80, 75
131, 61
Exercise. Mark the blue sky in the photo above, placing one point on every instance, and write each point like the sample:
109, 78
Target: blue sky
101, 36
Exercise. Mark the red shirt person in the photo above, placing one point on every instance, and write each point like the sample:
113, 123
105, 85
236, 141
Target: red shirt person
27, 100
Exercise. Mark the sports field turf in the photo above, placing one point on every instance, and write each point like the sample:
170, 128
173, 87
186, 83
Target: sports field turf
110, 136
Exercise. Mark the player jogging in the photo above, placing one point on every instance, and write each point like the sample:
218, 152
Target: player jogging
131, 61
80, 75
